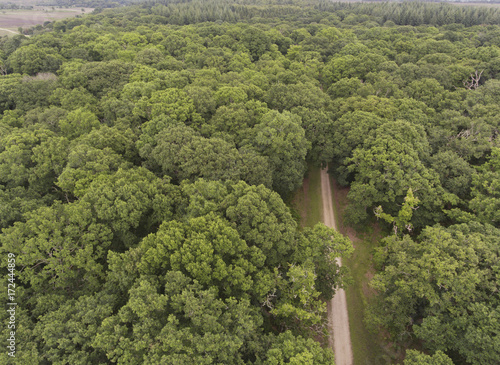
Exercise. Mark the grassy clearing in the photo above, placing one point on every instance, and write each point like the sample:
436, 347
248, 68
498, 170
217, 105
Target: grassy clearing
307, 200
367, 347
307, 204
7, 32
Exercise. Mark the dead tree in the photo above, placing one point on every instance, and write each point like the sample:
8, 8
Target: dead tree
473, 81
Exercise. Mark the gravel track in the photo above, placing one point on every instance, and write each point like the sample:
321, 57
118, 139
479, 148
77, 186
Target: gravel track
338, 319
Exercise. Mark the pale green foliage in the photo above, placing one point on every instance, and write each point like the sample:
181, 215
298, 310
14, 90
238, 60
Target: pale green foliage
84, 165
172, 103
402, 221
32, 59
414, 357
68, 332
179, 152
289, 349
234, 121
208, 250
16, 154
385, 169
228, 95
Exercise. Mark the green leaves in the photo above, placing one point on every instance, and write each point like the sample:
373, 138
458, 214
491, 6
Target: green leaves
385, 170
413, 357
32, 59
281, 137
63, 248
443, 286
486, 190
289, 349
402, 221
69, 331
139, 149
187, 323
78, 122
130, 202
206, 249
171, 103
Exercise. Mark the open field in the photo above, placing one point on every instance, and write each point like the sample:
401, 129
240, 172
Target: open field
11, 20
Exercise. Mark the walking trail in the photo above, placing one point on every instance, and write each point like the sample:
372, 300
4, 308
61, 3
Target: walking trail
338, 320
8, 30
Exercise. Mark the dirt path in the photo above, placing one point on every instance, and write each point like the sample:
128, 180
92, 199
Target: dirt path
8, 30
338, 320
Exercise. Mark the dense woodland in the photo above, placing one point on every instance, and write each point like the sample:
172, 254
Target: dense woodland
146, 153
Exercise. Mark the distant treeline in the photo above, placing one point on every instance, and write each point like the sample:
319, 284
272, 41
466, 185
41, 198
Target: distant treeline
87, 3
417, 13
407, 13
15, 6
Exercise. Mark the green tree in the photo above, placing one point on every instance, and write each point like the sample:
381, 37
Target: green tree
346, 134
259, 214
102, 77
256, 41
281, 137
32, 59
78, 122
16, 155
59, 248
131, 202
171, 103
384, 173
179, 322
454, 172
486, 190
414, 357
289, 349
208, 250
441, 288
85, 164
402, 221
234, 121
33, 92
67, 333
50, 158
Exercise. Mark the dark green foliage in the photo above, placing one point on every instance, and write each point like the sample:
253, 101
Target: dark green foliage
59, 248
486, 190
139, 146
281, 138
443, 286
33, 92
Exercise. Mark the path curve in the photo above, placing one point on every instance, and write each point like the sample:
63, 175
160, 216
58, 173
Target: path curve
338, 319
8, 30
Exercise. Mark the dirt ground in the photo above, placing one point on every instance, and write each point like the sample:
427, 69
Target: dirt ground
338, 319
13, 19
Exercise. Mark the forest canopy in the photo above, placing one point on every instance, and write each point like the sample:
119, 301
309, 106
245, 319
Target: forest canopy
147, 152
